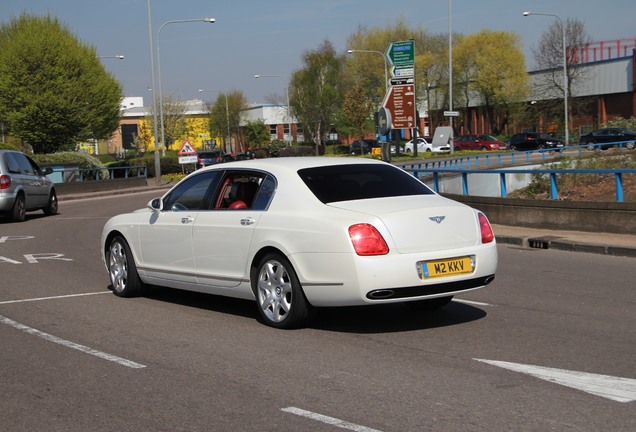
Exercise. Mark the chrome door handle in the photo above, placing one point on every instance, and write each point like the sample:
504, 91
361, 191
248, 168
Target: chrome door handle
187, 220
247, 221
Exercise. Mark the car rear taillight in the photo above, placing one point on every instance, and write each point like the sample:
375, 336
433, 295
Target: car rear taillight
5, 182
487, 234
367, 240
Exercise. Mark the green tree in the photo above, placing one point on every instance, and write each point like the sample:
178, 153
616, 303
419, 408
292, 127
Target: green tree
175, 125
54, 91
431, 60
228, 108
256, 133
549, 58
314, 92
491, 68
358, 110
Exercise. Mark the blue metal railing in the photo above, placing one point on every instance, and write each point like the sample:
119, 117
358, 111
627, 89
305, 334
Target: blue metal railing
489, 163
70, 175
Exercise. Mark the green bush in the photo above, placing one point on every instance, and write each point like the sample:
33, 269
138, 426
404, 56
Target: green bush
7, 146
275, 147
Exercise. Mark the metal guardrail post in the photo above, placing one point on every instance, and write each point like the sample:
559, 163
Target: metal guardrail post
502, 185
618, 177
554, 193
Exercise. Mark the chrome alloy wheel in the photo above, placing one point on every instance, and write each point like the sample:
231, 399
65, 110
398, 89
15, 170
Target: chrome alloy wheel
274, 291
118, 266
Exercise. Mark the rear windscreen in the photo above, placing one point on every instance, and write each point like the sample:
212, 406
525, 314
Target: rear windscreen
355, 182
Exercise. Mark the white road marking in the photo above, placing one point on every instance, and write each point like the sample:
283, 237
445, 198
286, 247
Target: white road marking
69, 344
328, 420
614, 388
53, 298
470, 302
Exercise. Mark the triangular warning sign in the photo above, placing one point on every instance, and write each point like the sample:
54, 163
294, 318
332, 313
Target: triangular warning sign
187, 149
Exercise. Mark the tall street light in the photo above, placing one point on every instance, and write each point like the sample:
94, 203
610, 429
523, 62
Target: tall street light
565, 72
287, 93
207, 20
386, 78
450, 74
227, 114
157, 159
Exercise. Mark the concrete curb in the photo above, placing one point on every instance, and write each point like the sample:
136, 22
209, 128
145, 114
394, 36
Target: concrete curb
566, 245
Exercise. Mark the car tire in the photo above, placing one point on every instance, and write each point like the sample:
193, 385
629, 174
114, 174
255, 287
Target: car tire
52, 205
279, 295
18, 213
430, 304
122, 270
513, 147
591, 146
630, 145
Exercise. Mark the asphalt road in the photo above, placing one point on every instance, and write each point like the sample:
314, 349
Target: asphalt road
548, 346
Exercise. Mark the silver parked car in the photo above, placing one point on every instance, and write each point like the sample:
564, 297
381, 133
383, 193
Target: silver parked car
24, 186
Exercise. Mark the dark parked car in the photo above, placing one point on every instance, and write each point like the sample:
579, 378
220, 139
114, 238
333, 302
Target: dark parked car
207, 158
363, 146
478, 142
611, 137
24, 186
533, 141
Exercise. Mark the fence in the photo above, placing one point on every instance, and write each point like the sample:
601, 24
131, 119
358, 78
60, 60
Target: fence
63, 174
489, 163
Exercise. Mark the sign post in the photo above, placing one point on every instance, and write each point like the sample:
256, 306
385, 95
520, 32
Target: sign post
400, 99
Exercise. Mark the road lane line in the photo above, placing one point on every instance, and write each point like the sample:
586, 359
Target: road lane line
614, 388
328, 420
53, 298
69, 344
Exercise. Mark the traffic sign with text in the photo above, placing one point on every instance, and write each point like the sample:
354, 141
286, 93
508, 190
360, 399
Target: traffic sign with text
400, 101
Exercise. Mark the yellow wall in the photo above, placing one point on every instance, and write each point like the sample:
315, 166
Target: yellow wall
198, 134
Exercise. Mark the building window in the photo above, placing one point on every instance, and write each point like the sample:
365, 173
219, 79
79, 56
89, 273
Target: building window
273, 130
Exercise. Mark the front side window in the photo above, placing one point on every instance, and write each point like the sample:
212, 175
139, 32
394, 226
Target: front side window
195, 193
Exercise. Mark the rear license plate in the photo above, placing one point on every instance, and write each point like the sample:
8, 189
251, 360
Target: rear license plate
446, 267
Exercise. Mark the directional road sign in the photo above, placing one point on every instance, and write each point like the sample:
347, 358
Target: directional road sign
402, 58
400, 101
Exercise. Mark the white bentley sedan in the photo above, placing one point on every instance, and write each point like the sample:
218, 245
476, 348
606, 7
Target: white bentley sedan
299, 233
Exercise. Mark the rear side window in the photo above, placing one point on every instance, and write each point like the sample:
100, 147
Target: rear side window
12, 164
355, 182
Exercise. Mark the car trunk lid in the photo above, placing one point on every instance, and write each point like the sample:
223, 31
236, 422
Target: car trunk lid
421, 222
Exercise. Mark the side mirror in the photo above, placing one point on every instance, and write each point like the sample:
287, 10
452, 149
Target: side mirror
46, 171
156, 204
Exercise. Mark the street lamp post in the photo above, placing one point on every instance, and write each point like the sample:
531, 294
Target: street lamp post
565, 72
227, 114
207, 20
288, 111
386, 78
157, 158
450, 74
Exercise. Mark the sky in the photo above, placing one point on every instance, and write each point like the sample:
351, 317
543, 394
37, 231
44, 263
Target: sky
253, 37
